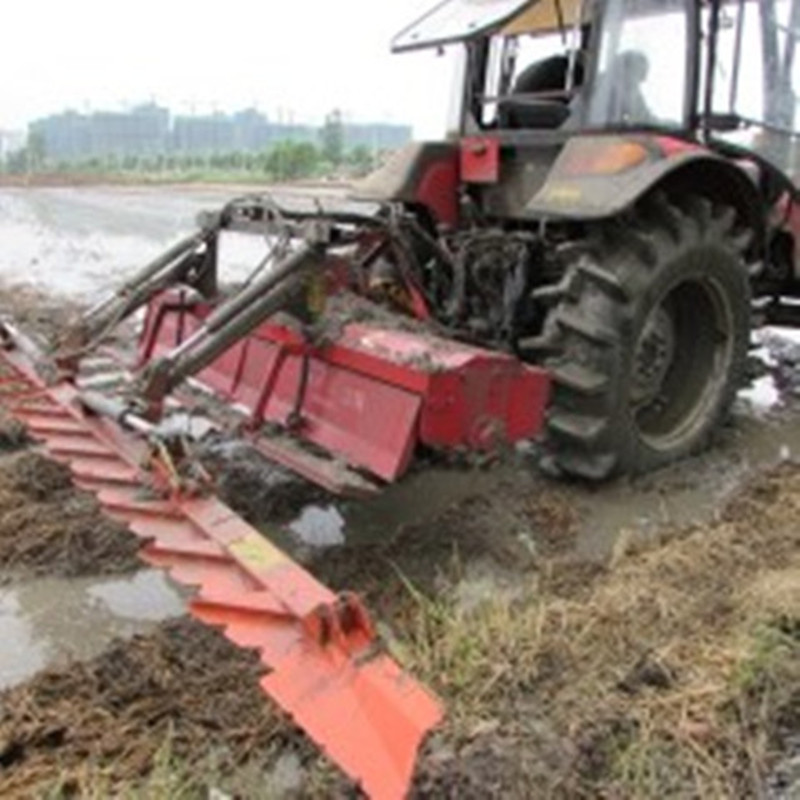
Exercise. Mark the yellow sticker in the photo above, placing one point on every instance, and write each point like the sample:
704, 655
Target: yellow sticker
256, 552
563, 193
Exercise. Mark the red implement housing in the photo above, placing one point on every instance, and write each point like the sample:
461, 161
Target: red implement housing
324, 664
370, 396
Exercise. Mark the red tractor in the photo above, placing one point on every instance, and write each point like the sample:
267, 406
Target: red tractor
602, 210
620, 190
581, 261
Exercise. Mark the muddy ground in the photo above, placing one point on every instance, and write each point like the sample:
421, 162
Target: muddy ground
672, 671
641, 639
48, 527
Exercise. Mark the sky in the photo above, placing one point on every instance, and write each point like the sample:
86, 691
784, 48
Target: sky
294, 61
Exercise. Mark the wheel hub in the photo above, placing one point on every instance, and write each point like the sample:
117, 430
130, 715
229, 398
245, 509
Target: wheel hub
653, 356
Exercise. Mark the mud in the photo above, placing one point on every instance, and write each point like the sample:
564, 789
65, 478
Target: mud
184, 688
48, 527
37, 312
590, 522
345, 308
263, 493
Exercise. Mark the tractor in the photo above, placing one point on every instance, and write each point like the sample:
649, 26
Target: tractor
624, 205
580, 261
597, 233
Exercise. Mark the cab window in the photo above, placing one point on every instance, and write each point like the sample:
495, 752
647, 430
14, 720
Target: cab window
641, 74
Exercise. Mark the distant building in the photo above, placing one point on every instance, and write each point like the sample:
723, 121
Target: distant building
151, 130
208, 134
65, 136
245, 131
145, 130
139, 132
10, 141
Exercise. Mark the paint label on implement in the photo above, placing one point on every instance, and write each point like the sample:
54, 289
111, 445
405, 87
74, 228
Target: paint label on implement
257, 553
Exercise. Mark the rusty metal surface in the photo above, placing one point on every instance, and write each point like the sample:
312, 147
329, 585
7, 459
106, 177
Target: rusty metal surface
323, 663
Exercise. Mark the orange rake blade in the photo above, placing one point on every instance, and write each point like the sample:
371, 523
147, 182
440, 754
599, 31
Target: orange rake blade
326, 666
372, 716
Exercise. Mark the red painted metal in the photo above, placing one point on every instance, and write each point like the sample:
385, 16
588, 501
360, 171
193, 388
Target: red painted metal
480, 159
373, 394
438, 188
325, 665
325, 472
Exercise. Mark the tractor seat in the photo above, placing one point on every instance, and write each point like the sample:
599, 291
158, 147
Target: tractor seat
520, 113
549, 75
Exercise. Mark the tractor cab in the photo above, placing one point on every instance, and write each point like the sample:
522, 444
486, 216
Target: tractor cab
522, 62
722, 72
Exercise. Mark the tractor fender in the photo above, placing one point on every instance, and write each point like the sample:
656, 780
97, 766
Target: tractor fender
422, 174
598, 177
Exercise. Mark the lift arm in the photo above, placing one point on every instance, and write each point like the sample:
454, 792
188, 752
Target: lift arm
229, 323
191, 260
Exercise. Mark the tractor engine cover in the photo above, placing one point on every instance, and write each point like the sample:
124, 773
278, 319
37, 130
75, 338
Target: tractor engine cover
370, 394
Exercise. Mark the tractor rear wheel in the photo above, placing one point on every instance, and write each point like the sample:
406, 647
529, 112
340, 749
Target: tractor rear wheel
651, 334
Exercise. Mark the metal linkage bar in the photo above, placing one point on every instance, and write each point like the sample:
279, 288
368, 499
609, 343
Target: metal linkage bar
229, 323
194, 259
166, 270
325, 666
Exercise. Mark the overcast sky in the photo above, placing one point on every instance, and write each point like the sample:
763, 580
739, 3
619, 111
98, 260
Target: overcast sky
293, 60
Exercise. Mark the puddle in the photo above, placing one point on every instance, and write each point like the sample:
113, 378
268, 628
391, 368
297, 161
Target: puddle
690, 492
319, 526
52, 621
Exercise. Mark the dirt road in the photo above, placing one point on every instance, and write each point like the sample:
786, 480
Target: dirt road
472, 571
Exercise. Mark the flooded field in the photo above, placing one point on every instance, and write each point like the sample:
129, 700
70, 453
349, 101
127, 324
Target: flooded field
53, 621
79, 243
437, 555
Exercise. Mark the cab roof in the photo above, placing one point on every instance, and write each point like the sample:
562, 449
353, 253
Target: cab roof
460, 20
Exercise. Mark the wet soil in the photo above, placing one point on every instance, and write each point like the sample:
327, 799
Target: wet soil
48, 527
38, 313
184, 688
